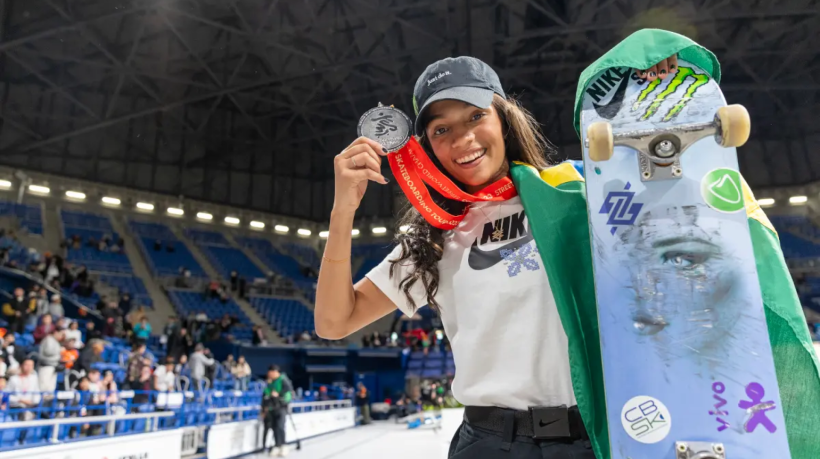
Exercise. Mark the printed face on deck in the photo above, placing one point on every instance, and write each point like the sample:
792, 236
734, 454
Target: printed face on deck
468, 141
686, 291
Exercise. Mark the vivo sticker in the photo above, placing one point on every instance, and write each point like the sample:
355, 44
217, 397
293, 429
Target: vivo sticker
646, 419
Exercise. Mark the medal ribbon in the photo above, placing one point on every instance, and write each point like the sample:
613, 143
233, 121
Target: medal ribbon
413, 168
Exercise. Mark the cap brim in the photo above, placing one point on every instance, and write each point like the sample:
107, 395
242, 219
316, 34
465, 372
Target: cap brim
479, 97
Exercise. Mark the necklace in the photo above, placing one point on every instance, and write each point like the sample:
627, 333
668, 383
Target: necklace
498, 230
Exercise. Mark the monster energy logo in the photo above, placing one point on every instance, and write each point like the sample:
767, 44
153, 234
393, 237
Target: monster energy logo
685, 74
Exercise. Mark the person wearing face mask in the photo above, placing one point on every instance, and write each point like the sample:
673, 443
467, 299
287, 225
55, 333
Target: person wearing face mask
506, 262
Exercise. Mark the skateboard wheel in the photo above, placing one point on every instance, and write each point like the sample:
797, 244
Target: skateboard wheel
734, 125
600, 142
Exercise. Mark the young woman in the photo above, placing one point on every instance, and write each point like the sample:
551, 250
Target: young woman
507, 339
517, 322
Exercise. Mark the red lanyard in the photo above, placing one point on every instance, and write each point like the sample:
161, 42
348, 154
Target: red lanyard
413, 168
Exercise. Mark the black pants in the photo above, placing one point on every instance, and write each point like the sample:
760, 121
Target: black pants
275, 419
474, 443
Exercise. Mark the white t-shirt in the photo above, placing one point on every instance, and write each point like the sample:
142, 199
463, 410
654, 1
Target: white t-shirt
498, 311
165, 379
23, 387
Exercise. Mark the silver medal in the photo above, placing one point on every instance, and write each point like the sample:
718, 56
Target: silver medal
387, 125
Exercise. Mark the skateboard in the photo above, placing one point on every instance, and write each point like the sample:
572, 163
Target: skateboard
688, 368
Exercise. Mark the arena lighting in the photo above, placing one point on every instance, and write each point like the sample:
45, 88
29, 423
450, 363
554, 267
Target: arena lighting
324, 234
145, 206
798, 200
111, 201
379, 230
39, 189
75, 194
766, 202
404, 228
5, 184
303, 232
256, 224
201, 215
355, 232
175, 211
232, 220
281, 229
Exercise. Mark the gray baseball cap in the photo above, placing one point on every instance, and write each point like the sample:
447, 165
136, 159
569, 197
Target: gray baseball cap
458, 78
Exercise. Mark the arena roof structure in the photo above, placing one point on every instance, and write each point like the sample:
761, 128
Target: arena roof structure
244, 102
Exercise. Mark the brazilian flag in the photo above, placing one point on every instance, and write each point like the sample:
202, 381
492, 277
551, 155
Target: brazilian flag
555, 202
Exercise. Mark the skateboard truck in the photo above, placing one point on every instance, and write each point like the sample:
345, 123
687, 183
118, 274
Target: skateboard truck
660, 149
699, 450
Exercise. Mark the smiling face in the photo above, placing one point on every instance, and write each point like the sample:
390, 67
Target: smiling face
468, 141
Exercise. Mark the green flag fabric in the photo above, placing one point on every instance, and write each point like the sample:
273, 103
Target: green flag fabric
642, 50
555, 202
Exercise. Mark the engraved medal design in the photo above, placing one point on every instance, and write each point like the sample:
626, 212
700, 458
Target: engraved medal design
387, 125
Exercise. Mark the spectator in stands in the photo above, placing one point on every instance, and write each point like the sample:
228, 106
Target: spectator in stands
258, 336
91, 332
181, 366
90, 355
61, 323
17, 310
74, 333
111, 314
24, 389
55, 308
198, 364
49, 359
41, 296
69, 354
234, 281
142, 330
44, 329
164, 377
142, 387
171, 329
229, 362
180, 344
125, 303
323, 396
242, 372
170, 247
157, 245
135, 364
109, 387
225, 324
12, 354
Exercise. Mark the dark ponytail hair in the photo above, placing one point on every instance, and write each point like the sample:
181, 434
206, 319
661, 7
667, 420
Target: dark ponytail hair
423, 244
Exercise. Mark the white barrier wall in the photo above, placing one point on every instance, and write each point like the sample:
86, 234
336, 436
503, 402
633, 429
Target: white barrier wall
165, 444
233, 439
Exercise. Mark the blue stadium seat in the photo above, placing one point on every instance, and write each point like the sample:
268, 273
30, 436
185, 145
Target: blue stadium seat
287, 317
162, 262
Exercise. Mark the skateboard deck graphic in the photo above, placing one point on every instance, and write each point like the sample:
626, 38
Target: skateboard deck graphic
688, 367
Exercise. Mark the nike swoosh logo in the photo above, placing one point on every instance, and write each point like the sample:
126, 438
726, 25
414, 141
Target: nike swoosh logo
544, 424
481, 259
610, 109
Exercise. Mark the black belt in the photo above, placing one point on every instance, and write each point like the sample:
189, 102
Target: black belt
540, 423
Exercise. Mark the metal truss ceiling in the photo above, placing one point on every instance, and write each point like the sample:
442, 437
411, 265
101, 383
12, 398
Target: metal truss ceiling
245, 102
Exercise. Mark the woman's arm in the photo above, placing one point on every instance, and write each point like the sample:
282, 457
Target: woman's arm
341, 307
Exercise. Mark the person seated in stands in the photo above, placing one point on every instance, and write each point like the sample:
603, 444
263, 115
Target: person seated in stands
76, 243
102, 246
17, 310
181, 366
164, 377
142, 330
55, 307
169, 247
125, 303
12, 355
90, 355
111, 313
305, 336
69, 353
242, 372
91, 332
234, 282
73, 333
135, 364
108, 388
45, 327
24, 389
82, 397
82, 274
142, 388
92, 242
